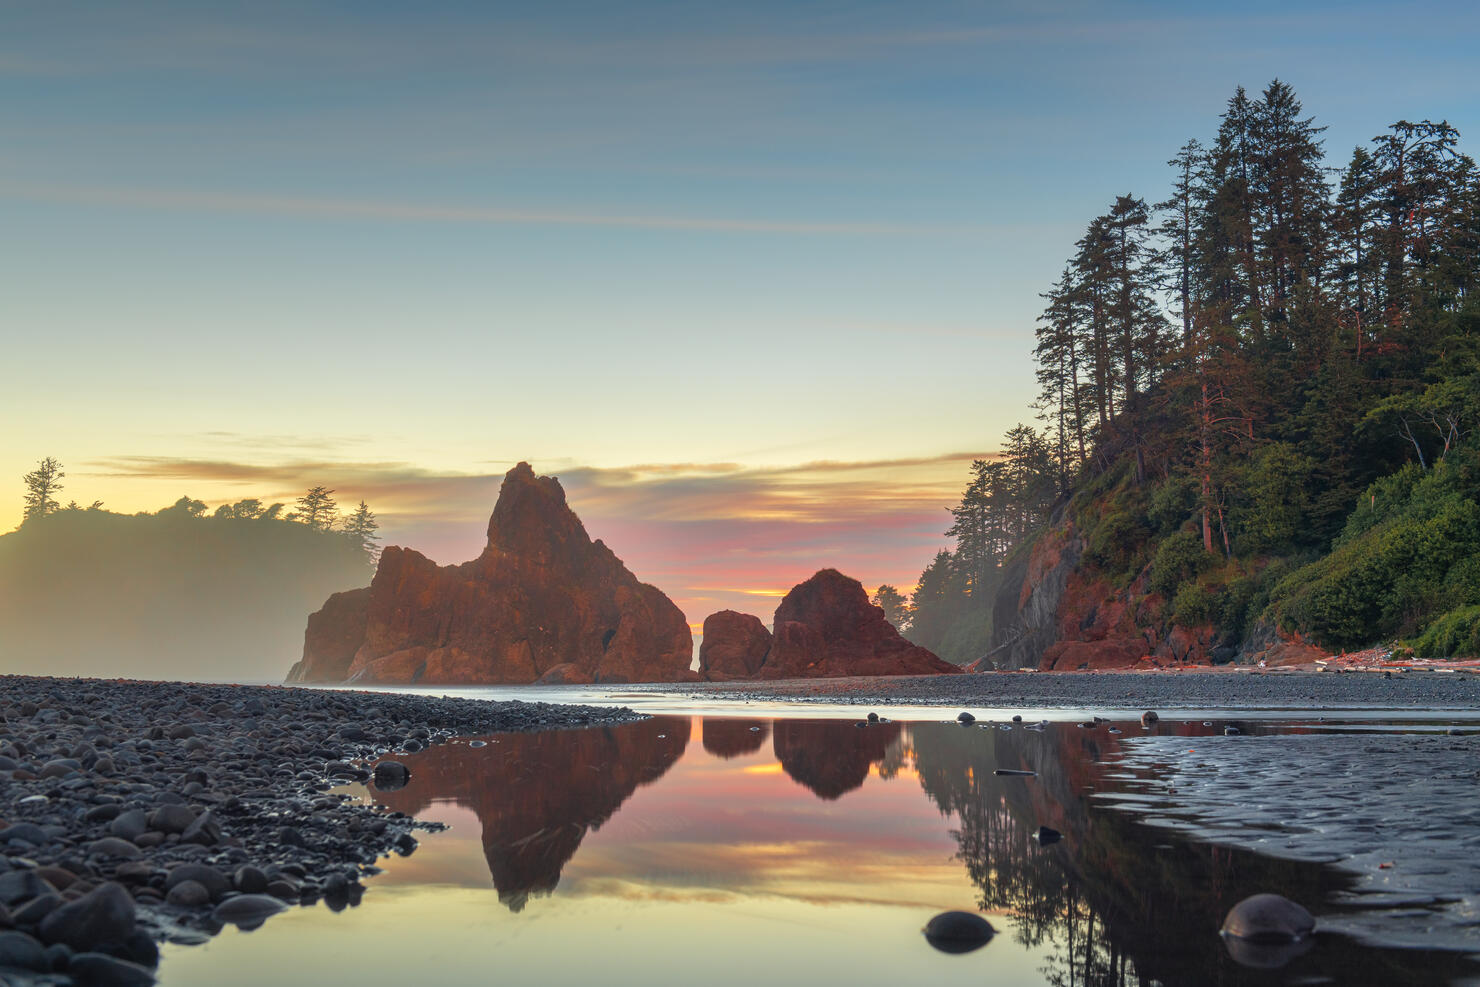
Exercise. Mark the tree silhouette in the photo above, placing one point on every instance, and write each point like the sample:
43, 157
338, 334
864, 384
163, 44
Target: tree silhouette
361, 526
42, 485
896, 607
317, 509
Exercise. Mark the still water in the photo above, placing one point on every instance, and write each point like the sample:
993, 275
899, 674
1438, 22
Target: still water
729, 850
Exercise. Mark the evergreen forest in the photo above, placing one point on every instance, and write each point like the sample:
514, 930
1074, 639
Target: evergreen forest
1259, 400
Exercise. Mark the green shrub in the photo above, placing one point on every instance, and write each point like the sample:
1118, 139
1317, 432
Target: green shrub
1172, 503
1234, 606
1383, 581
1192, 606
1274, 503
1454, 635
1178, 558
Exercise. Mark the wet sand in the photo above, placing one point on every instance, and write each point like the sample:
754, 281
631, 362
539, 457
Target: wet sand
1396, 811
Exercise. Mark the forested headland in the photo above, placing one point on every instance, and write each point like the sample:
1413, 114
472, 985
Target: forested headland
180, 593
1259, 404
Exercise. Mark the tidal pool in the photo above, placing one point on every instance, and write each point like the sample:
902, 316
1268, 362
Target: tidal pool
730, 850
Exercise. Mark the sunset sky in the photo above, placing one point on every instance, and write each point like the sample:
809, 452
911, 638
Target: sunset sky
755, 280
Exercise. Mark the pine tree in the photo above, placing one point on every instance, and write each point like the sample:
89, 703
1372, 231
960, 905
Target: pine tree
317, 509
361, 526
1354, 220
42, 485
896, 608
1177, 231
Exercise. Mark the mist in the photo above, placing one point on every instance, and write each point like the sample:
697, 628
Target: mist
172, 595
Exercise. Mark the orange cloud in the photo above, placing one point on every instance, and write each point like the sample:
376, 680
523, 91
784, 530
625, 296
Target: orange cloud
712, 535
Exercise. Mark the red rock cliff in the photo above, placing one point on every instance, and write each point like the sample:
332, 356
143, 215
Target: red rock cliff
541, 595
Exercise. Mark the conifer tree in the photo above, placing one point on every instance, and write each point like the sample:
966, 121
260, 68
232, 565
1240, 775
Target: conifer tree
361, 526
42, 485
317, 509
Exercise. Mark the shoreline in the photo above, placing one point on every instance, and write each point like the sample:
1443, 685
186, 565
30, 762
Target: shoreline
1319, 691
138, 812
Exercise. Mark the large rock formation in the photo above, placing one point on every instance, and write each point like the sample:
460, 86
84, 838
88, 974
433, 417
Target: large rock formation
825, 627
541, 596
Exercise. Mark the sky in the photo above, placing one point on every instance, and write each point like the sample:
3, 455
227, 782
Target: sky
757, 281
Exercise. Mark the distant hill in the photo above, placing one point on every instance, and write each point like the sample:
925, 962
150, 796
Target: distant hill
168, 595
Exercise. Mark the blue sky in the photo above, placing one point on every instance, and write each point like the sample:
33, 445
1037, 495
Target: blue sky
338, 238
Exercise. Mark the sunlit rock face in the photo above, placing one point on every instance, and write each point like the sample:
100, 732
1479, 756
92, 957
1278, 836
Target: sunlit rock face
541, 595
825, 627
735, 646
537, 795
334, 634
831, 757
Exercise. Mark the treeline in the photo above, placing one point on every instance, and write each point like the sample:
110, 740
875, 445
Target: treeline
316, 509
179, 593
1260, 393
1007, 499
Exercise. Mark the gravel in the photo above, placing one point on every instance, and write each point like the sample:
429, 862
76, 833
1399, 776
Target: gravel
136, 812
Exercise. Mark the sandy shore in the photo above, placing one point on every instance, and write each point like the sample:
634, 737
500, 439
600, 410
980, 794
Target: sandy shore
1164, 690
135, 812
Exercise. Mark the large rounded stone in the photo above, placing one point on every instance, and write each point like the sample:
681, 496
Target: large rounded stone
958, 932
102, 970
248, 910
103, 915
171, 819
188, 894
129, 825
17, 886
1268, 918
391, 775
21, 951
215, 883
112, 846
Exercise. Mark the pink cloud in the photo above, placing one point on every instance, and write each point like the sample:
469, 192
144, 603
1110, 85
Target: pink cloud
711, 535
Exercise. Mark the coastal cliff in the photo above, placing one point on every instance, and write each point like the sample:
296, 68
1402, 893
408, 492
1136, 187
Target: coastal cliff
1067, 603
542, 602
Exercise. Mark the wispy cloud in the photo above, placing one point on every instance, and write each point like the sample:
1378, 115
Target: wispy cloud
308, 207
711, 535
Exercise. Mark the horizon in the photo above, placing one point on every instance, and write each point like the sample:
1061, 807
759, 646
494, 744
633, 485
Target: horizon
759, 322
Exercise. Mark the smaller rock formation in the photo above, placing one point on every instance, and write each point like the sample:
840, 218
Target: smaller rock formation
734, 646
825, 627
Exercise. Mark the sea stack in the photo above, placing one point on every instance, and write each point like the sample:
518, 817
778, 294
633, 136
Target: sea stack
824, 627
542, 596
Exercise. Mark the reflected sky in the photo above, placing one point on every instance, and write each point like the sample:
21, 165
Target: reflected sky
730, 849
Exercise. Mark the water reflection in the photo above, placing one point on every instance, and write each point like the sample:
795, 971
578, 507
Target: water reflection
538, 794
734, 738
832, 757
1115, 903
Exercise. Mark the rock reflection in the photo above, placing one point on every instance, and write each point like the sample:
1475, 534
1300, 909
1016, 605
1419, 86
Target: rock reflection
734, 738
537, 794
832, 757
